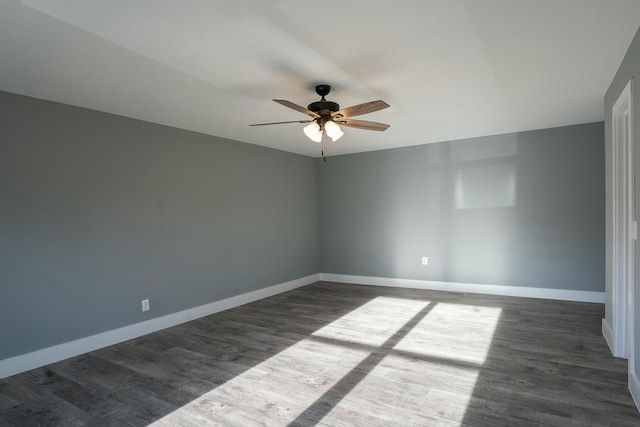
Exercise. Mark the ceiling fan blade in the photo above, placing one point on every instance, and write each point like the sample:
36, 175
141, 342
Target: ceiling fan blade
356, 110
281, 123
297, 108
363, 124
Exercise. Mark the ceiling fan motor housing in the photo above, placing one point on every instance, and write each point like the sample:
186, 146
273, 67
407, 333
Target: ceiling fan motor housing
323, 107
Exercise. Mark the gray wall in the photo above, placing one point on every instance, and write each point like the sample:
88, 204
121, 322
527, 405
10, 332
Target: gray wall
629, 69
523, 209
98, 212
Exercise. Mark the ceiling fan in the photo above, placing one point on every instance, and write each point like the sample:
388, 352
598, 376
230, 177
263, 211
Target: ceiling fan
327, 117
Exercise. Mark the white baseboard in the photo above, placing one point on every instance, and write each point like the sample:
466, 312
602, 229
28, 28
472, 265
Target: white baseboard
24, 362
634, 388
17, 364
515, 291
607, 333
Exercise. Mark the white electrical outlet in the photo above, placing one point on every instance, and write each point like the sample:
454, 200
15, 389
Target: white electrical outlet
145, 305
425, 260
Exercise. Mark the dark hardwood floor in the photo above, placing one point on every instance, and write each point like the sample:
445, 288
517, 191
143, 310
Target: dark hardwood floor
345, 355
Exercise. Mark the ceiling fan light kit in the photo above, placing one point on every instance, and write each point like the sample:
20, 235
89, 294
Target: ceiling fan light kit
313, 131
333, 130
327, 117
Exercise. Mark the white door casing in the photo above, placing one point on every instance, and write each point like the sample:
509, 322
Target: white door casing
623, 225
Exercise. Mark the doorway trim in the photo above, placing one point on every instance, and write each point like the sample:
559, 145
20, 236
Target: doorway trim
624, 227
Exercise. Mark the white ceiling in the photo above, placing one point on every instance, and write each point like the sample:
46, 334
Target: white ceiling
450, 69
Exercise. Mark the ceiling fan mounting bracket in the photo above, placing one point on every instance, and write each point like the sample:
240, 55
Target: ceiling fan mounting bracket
323, 90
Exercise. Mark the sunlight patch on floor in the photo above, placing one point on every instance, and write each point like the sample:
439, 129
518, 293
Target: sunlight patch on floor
453, 332
446, 349
310, 367
397, 347
279, 388
374, 322
445, 391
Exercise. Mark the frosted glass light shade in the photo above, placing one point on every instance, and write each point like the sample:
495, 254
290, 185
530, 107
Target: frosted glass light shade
313, 131
333, 130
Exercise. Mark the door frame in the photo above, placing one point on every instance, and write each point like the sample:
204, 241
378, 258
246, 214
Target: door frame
624, 231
